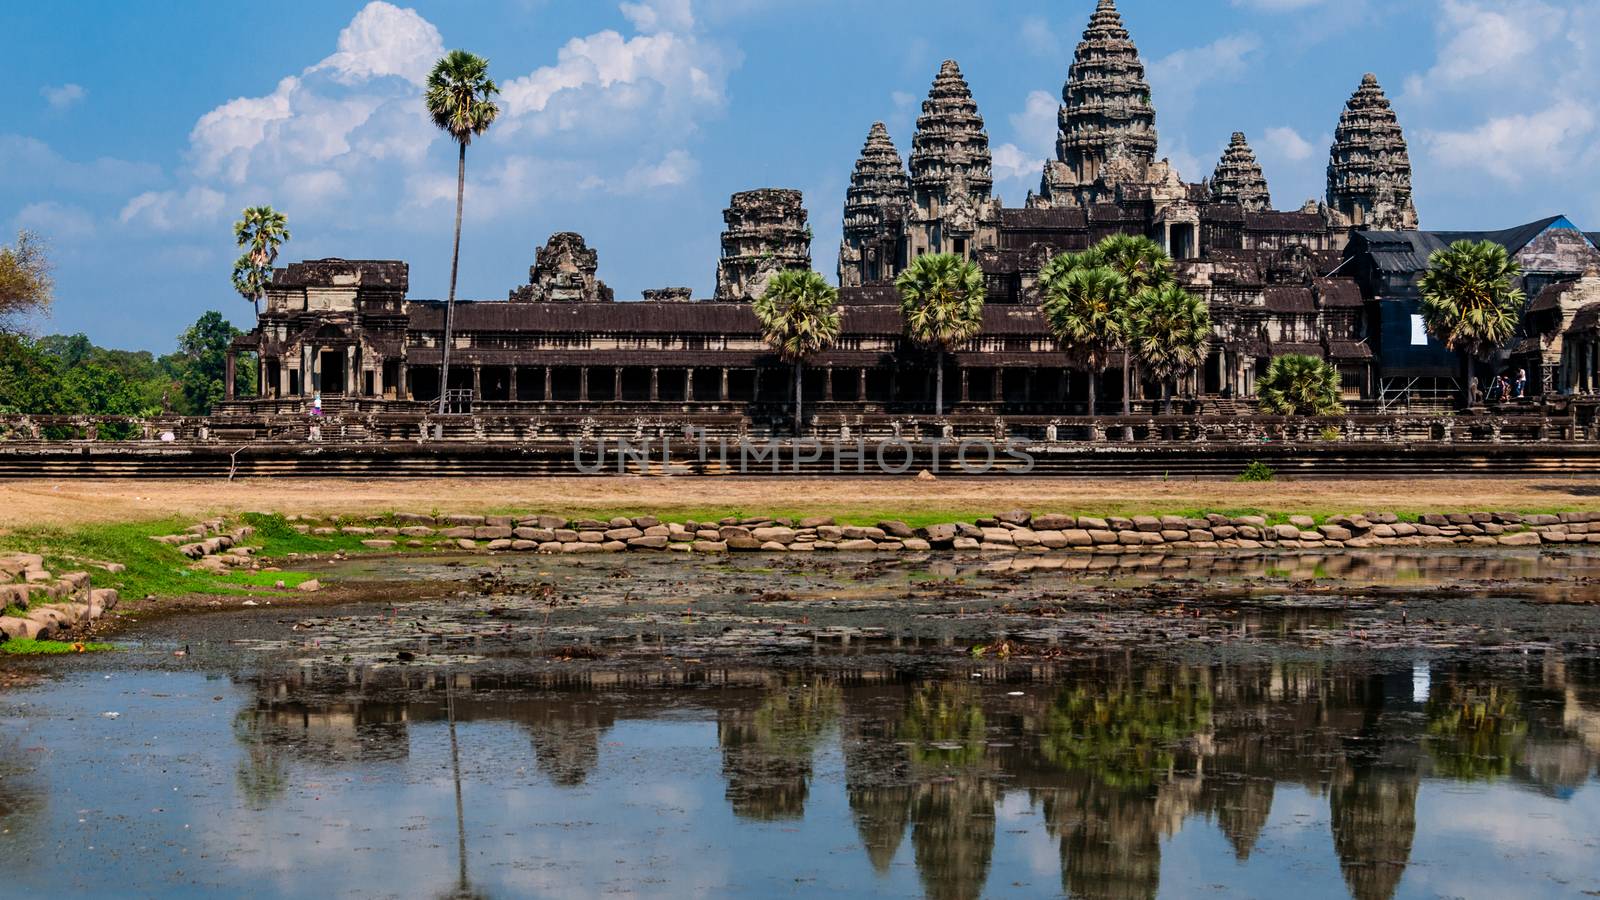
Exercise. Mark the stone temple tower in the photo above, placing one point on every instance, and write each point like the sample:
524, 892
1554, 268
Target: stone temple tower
951, 170
874, 208
1238, 178
1369, 170
1107, 121
766, 233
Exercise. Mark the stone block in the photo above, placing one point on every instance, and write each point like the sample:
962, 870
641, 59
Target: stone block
355, 529
710, 546
1051, 539
460, 531
856, 545
614, 547
1336, 533
1092, 523
1304, 523
565, 535
417, 531
466, 543
1225, 532
1054, 522
522, 546
499, 544
379, 544
591, 537
1147, 523
413, 518
897, 529
1025, 537
473, 521
624, 534
1285, 533
1201, 535
917, 544
965, 543
581, 547
816, 521
1173, 535
854, 533
774, 535
648, 542
773, 547
550, 546
1015, 517
19, 627
998, 536
940, 535
492, 532
644, 522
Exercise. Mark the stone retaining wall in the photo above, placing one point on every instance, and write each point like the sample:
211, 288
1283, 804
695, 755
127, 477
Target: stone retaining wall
1017, 531
49, 605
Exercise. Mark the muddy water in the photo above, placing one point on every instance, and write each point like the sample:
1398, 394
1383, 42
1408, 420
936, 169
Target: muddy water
1375, 727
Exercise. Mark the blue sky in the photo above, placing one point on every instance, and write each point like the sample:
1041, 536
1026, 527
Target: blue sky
136, 132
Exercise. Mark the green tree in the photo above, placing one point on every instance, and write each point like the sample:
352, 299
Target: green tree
799, 314
1145, 266
1469, 301
200, 363
260, 231
1169, 329
25, 283
1299, 385
1084, 310
941, 297
459, 98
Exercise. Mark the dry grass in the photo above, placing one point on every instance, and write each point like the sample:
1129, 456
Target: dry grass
72, 502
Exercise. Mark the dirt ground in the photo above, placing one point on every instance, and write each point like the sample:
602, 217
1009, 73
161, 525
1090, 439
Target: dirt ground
26, 503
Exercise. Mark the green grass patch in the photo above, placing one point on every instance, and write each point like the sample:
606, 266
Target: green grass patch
31, 647
14, 611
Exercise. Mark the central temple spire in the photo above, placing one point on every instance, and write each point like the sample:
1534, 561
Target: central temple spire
1107, 121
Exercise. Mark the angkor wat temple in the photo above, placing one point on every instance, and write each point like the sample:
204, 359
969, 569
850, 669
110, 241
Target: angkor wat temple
1334, 278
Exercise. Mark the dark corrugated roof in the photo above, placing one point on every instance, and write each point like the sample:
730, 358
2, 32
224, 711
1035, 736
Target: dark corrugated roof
1033, 219
1339, 293
383, 273
1349, 350
1513, 239
1290, 299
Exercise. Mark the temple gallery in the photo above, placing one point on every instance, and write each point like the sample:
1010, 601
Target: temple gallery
1336, 278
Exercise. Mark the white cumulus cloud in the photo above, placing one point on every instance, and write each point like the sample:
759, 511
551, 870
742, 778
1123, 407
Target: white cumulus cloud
62, 96
1286, 143
384, 40
173, 210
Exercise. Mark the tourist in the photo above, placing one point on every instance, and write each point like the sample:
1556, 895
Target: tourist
316, 403
1522, 384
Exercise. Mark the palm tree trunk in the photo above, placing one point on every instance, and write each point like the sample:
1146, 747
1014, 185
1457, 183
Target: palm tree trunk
1466, 380
938, 388
798, 381
1127, 382
455, 264
1094, 380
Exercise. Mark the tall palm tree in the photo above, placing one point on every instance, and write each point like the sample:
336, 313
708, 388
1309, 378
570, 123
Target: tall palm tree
799, 314
1144, 265
1469, 302
459, 98
1084, 309
1168, 330
1299, 385
261, 230
941, 297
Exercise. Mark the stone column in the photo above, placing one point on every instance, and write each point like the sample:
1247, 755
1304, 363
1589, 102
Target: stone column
616, 383
228, 372
377, 377
964, 394
511, 386
311, 381
688, 384
547, 383
755, 384
827, 385
402, 390
351, 383
861, 385
723, 393
583, 384
477, 383
655, 384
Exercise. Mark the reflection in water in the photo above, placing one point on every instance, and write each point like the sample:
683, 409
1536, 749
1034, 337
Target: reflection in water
1114, 755
766, 752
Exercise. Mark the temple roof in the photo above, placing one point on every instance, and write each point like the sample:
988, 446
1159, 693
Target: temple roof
1408, 251
1238, 177
1106, 109
878, 188
334, 272
950, 143
1369, 168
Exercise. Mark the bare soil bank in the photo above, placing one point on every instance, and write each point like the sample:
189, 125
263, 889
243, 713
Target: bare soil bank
73, 502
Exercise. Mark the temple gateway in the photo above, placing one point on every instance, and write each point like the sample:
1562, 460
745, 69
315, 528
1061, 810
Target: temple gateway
1335, 278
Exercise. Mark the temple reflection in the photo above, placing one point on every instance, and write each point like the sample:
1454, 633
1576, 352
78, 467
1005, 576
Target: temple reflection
1115, 756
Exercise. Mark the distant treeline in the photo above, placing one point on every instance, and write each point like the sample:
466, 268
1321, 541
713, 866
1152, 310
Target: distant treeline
63, 374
